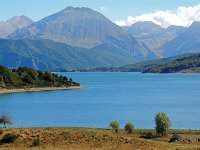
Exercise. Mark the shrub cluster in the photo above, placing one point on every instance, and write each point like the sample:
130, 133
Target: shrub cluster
162, 122
129, 127
9, 138
36, 142
148, 134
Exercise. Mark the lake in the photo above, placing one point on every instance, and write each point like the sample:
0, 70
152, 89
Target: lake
122, 96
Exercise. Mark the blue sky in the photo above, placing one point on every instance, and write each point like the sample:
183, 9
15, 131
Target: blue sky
114, 9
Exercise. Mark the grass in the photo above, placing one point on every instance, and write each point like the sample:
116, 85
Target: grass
61, 138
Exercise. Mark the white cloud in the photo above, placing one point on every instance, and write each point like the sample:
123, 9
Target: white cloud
183, 16
104, 9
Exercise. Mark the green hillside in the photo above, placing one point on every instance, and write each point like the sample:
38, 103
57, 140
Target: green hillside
190, 64
49, 55
137, 67
24, 77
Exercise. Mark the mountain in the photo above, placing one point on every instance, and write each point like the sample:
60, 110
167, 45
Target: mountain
190, 64
13, 24
86, 28
186, 42
49, 55
153, 35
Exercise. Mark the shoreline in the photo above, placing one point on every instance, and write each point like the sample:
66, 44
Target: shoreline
38, 89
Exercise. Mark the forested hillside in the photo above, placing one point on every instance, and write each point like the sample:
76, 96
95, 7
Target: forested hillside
24, 77
189, 64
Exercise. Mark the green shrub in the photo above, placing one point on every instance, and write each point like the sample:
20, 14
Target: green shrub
1, 131
147, 135
129, 127
36, 142
115, 126
162, 122
9, 138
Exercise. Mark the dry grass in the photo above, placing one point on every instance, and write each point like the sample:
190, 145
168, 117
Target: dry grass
93, 139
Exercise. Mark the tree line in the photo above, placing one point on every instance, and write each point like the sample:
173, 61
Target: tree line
27, 77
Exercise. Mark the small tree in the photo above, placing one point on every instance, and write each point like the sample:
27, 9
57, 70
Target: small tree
115, 126
129, 127
162, 123
5, 119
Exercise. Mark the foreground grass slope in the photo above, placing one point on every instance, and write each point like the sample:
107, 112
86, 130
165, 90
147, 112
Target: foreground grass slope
96, 139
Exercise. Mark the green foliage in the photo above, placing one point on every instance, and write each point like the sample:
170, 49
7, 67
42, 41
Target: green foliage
147, 134
115, 126
36, 142
162, 123
9, 138
2, 84
129, 127
1, 131
27, 77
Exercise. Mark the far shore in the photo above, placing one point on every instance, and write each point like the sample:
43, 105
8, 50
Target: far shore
38, 89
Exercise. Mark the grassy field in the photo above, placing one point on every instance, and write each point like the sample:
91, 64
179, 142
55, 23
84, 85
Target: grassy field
61, 138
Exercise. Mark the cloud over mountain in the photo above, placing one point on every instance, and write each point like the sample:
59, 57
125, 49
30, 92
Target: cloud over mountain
183, 16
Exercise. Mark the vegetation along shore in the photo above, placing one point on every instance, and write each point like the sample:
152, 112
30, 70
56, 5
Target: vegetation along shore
26, 79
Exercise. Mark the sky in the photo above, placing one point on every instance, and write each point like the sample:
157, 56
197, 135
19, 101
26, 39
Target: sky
122, 12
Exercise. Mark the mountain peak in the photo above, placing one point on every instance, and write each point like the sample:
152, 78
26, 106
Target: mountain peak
19, 18
146, 24
71, 9
11, 25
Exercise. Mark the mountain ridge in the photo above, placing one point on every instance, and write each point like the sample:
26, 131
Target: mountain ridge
186, 42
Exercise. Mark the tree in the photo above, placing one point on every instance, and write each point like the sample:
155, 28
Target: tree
115, 126
162, 123
1, 81
129, 127
5, 119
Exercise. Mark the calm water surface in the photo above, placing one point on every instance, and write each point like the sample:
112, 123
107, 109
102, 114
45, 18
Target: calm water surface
121, 96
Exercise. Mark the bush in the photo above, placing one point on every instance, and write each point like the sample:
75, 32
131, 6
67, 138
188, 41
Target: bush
115, 126
162, 123
1, 131
9, 138
36, 142
147, 135
5, 119
129, 127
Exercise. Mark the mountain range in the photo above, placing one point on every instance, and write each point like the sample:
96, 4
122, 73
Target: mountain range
153, 35
81, 38
86, 28
100, 39
186, 42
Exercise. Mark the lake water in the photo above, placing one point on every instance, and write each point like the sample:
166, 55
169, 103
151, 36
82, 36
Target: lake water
122, 96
